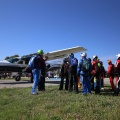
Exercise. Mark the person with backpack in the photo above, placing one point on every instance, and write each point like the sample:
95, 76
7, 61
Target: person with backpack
96, 72
110, 73
64, 74
73, 62
36, 63
84, 68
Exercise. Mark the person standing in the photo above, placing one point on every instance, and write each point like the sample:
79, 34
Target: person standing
83, 70
110, 73
64, 74
93, 79
117, 75
73, 62
103, 72
96, 72
38, 65
117, 66
41, 84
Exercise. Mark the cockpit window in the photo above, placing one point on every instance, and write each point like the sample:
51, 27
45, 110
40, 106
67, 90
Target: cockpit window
12, 60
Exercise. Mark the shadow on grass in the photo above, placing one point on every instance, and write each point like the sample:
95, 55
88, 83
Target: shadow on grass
17, 82
29, 82
106, 92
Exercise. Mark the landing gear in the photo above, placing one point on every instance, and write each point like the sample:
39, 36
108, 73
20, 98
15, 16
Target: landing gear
18, 78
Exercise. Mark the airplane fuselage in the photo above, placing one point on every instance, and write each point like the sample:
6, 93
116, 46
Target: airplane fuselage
11, 67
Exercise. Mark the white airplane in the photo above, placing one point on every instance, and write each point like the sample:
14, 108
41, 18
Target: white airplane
53, 59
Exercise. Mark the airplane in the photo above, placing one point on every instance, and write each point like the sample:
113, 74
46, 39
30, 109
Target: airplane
20, 63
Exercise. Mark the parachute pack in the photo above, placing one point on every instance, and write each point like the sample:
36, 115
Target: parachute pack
86, 66
31, 62
98, 68
74, 62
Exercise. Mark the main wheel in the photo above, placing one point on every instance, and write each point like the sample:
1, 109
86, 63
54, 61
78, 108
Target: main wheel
17, 78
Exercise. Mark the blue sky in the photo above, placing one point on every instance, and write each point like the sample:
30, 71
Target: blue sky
29, 25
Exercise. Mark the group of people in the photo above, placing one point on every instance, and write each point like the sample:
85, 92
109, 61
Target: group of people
69, 71
90, 72
85, 70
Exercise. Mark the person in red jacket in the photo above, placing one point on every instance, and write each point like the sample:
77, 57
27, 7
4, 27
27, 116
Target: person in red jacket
97, 73
117, 65
110, 72
117, 75
93, 72
94, 61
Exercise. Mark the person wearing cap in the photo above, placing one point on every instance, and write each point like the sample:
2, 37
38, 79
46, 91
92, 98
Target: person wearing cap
73, 62
39, 64
110, 73
86, 85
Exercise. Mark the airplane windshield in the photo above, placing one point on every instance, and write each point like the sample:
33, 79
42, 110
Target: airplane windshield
12, 60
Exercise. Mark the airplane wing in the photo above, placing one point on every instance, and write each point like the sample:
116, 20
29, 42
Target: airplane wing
18, 67
64, 52
57, 54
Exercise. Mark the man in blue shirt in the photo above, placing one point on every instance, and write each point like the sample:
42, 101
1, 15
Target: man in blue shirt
73, 62
39, 64
84, 68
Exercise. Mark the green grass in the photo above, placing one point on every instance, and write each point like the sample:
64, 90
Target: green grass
19, 104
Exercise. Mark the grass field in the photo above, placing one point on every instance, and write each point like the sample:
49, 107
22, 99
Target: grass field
19, 104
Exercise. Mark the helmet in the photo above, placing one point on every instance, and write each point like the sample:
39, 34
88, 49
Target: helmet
118, 55
95, 56
83, 54
40, 52
109, 61
72, 55
65, 59
101, 62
